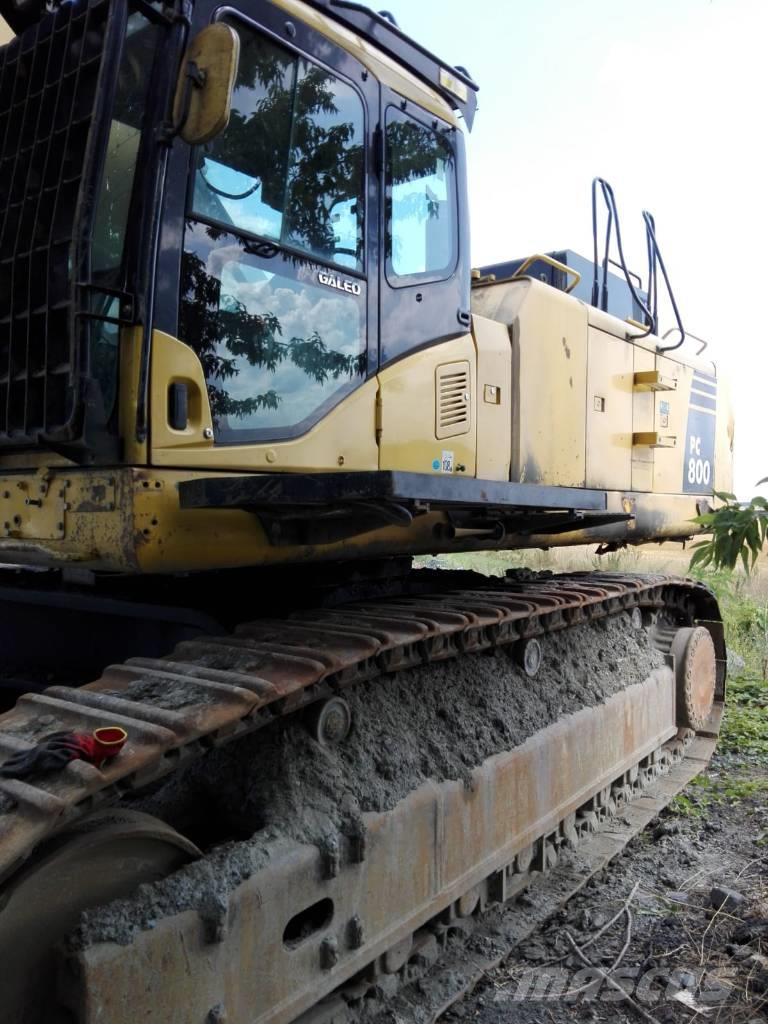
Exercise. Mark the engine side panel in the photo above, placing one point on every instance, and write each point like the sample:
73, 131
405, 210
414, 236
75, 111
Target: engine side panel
592, 395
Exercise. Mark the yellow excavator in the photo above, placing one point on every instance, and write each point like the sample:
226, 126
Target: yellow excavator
254, 765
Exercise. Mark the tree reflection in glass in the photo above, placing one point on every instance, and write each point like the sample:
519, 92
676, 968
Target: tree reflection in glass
289, 166
285, 178
275, 345
420, 198
277, 218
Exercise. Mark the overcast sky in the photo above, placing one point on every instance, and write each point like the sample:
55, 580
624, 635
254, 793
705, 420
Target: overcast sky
664, 98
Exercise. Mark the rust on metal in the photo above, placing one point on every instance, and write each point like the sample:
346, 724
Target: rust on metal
696, 670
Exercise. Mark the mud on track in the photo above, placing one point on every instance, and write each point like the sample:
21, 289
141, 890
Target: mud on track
434, 722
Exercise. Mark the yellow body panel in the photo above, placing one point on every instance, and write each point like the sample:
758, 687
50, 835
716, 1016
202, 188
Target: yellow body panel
494, 399
549, 379
344, 439
577, 408
667, 462
609, 411
173, 362
407, 420
643, 419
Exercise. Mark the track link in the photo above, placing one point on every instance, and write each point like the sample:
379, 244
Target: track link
213, 690
447, 957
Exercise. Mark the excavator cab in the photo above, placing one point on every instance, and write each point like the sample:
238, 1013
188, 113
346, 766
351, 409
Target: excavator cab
319, 234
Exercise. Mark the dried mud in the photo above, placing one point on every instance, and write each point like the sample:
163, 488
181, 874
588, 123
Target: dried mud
436, 722
166, 694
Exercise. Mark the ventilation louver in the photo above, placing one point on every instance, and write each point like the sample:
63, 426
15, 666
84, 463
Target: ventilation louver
453, 402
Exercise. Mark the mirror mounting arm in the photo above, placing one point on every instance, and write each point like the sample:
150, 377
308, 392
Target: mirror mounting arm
204, 87
194, 78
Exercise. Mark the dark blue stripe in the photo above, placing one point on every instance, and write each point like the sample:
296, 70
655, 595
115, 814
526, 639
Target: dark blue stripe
710, 389
703, 401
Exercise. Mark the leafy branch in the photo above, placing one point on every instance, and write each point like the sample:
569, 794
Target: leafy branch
738, 531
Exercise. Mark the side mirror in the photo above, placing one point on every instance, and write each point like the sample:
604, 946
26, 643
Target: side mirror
204, 87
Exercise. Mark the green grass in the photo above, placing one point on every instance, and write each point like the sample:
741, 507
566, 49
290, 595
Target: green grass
745, 725
744, 731
745, 615
707, 790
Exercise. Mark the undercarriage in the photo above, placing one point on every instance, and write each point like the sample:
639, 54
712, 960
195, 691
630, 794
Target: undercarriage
326, 796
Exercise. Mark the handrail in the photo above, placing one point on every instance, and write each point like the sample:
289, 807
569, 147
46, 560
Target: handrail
650, 308
615, 263
600, 295
543, 258
704, 344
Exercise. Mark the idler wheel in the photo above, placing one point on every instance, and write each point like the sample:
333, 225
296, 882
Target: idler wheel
695, 674
102, 858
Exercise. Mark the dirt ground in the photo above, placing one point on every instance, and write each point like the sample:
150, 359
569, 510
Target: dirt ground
679, 955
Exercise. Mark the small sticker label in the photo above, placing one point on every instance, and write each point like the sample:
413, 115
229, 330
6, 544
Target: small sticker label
447, 463
436, 464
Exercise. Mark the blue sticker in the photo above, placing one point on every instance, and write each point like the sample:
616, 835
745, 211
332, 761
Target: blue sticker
699, 457
435, 463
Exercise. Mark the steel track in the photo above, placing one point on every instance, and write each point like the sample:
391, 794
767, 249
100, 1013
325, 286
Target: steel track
268, 668
444, 960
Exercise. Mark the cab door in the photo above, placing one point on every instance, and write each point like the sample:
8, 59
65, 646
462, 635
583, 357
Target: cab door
278, 290
425, 272
428, 365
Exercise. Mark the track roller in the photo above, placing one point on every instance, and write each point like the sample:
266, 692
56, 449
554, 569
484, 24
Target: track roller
528, 656
330, 721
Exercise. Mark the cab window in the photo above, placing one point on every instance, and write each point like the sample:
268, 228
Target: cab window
280, 341
421, 201
289, 167
273, 290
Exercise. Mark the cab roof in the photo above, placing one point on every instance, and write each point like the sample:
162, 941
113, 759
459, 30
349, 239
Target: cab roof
453, 84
